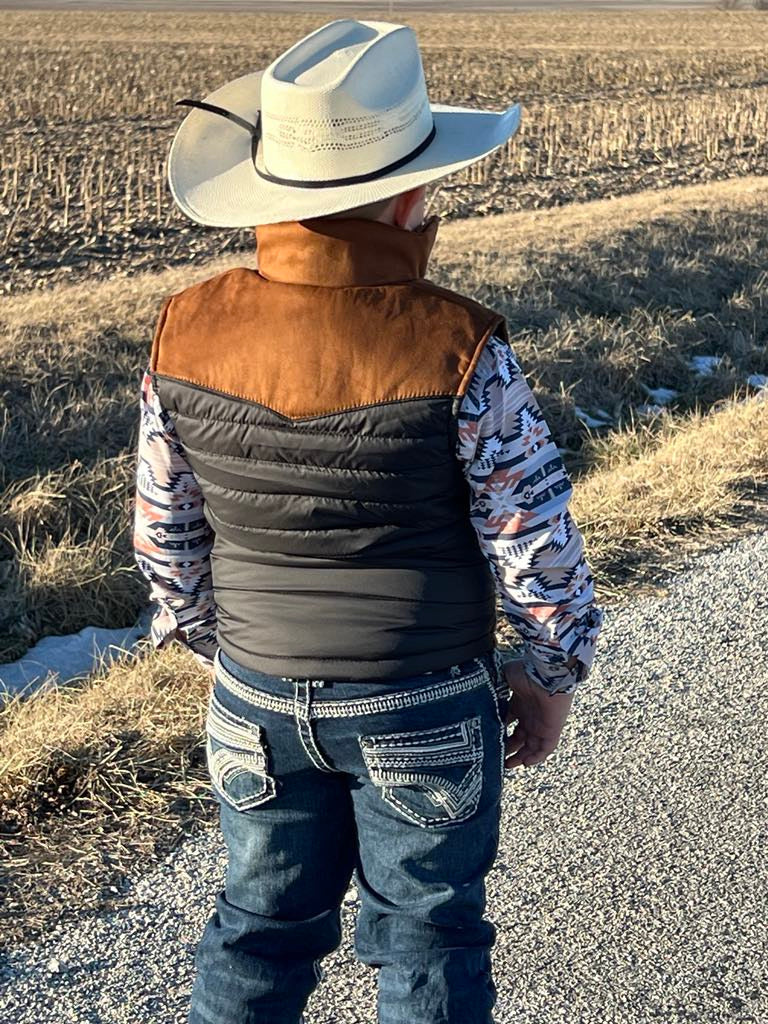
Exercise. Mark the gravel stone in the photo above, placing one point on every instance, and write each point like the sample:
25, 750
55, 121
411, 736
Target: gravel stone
630, 884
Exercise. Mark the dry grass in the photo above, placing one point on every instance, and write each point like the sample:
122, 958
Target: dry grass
662, 492
68, 534
608, 301
96, 776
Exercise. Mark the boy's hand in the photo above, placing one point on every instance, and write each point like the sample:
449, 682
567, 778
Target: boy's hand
540, 718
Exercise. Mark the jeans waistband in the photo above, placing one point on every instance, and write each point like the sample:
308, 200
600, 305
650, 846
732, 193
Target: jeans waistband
476, 672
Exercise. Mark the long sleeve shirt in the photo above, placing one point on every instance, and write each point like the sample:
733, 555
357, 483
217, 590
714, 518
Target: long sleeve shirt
519, 494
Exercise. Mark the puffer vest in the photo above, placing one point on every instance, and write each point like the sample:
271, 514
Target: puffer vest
316, 399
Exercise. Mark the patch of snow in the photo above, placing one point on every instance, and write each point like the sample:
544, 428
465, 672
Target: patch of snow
589, 420
70, 657
649, 410
704, 365
758, 380
660, 396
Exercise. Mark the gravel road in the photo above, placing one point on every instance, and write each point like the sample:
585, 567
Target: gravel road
631, 881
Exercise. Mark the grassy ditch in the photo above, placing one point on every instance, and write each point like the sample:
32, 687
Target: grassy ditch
95, 779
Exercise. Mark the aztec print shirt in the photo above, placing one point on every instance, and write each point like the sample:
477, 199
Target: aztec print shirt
506, 451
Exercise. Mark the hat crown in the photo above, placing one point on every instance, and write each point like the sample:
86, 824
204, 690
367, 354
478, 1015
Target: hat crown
347, 100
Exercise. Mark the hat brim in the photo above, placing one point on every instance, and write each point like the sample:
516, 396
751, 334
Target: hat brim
214, 182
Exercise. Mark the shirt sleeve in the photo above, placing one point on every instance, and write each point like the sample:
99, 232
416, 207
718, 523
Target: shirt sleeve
172, 539
519, 494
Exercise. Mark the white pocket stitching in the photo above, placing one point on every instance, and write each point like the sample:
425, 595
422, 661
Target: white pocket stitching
385, 756
243, 750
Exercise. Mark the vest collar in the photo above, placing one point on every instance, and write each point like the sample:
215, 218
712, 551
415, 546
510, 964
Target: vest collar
347, 251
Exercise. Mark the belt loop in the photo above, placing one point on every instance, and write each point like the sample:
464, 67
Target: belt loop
302, 707
301, 699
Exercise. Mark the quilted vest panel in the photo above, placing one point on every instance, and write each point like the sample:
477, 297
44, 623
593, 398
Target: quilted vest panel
320, 422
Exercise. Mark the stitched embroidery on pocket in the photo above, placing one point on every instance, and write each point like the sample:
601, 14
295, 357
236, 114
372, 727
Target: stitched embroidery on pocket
432, 769
237, 758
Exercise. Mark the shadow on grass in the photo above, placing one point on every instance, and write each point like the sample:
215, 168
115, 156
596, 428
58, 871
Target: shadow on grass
599, 327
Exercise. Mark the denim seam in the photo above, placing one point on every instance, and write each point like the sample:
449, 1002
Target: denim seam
222, 759
316, 758
388, 769
395, 701
452, 819
437, 736
398, 761
240, 733
502, 729
438, 782
471, 795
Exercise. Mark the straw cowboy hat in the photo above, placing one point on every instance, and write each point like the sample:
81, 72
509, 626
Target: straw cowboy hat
341, 119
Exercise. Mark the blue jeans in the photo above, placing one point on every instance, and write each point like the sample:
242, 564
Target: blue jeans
396, 782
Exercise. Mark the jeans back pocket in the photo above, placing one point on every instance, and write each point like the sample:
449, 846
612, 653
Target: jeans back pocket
237, 758
431, 777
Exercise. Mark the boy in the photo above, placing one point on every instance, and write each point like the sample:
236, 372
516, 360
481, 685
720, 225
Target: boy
340, 467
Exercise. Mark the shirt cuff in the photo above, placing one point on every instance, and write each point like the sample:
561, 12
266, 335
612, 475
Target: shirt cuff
553, 678
204, 660
165, 628
549, 669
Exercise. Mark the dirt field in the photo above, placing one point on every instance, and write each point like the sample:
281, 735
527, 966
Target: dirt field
285, 6
613, 103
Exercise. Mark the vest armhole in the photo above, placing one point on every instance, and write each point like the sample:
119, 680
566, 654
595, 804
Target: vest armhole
154, 356
502, 331
497, 324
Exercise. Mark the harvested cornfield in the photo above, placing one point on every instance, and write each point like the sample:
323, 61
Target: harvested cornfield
612, 104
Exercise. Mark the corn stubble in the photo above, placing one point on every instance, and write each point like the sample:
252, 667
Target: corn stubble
88, 123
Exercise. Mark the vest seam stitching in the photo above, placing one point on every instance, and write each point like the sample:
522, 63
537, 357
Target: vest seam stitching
317, 498
302, 529
464, 383
154, 355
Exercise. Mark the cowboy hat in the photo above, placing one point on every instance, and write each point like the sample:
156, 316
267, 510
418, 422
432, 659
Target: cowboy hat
340, 120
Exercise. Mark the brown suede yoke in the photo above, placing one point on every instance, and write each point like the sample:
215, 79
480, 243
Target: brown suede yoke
338, 316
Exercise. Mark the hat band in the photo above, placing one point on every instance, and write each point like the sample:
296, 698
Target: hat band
353, 179
255, 132
253, 129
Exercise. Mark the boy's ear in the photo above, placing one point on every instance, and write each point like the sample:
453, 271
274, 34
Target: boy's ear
409, 207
